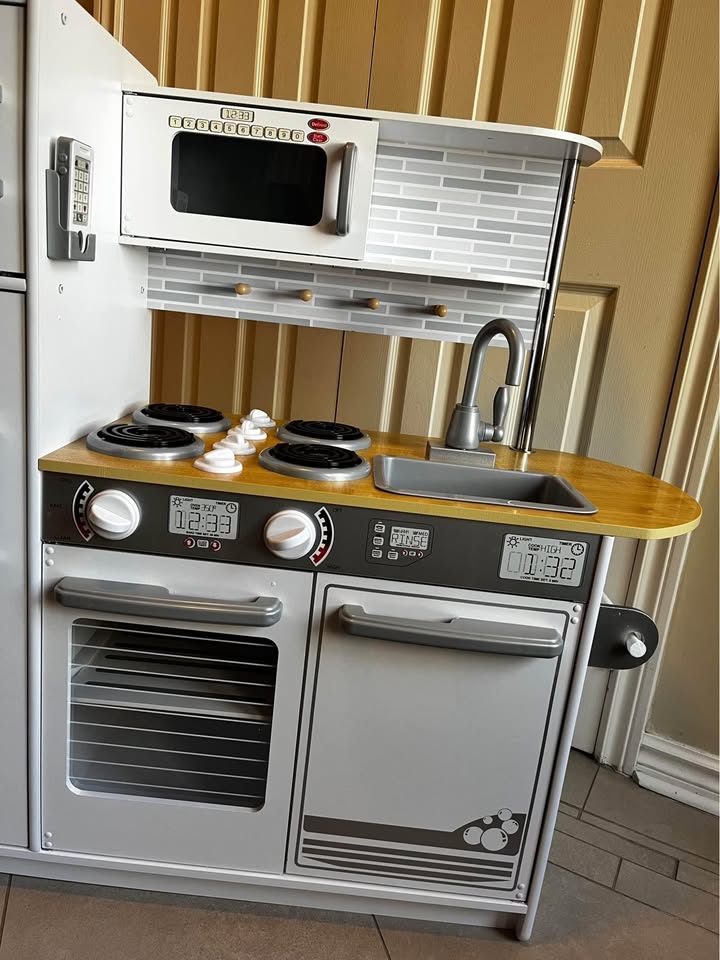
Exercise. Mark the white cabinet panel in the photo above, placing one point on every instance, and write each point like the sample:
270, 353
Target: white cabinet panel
13, 655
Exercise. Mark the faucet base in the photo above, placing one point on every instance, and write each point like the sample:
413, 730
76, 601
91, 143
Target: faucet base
480, 457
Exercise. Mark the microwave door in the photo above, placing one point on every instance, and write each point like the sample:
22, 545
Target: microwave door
274, 184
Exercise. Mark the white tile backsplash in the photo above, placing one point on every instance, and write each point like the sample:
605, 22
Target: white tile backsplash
340, 297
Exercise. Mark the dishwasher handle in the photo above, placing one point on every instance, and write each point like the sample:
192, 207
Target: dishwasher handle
148, 600
479, 636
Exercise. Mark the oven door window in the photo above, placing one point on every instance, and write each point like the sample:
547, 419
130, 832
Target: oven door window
248, 179
170, 714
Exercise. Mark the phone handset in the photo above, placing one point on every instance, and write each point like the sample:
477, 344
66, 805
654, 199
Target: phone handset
69, 201
74, 167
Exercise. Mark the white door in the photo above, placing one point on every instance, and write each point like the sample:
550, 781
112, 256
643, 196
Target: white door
429, 735
168, 735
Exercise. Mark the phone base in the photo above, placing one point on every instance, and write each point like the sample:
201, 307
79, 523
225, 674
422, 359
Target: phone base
63, 244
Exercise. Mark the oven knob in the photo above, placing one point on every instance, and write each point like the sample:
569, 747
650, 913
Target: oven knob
113, 514
290, 534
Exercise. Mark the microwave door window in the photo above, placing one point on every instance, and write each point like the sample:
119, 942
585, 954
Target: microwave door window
245, 179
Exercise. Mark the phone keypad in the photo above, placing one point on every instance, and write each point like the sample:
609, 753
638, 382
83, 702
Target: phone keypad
81, 191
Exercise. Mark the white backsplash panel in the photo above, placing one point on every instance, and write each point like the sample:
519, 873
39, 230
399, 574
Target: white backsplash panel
204, 283
435, 208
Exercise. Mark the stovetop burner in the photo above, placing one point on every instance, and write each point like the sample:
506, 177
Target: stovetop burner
314, 461
324, 431
186, 416
137, 441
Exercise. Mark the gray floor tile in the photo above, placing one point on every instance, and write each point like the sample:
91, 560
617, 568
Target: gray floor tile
48, 920
666, 848
581, 858
621, 800
679, 899
701, 879
569, 810
579, 778
604, 840
578, 920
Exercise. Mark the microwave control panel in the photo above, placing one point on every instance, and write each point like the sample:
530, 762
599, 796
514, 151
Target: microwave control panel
242, 123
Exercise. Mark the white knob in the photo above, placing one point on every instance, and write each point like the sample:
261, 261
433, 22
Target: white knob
290, 534
113, 514
635, 645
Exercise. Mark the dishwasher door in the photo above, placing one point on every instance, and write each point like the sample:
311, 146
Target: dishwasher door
430, 726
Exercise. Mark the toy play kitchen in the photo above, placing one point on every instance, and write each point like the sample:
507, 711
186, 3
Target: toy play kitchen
296, 662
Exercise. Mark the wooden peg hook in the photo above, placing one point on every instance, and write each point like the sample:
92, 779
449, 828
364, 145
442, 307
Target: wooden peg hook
440, 310
305, 295
373, 303
242, 288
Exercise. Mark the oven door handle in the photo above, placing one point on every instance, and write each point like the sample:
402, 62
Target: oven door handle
345, 191
148, 600
479, 636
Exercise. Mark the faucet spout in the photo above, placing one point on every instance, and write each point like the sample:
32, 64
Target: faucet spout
466, 430
516, 356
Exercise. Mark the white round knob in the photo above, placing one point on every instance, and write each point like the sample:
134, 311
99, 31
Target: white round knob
290, 534
635, 645
113, 514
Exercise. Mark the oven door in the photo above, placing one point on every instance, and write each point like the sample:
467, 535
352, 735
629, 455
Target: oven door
428, 736
170, 701
265, 181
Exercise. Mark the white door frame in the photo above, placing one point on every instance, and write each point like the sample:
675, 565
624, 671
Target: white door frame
683, 459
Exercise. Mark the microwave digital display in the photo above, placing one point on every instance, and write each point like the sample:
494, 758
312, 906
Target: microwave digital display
244, 178
234, 113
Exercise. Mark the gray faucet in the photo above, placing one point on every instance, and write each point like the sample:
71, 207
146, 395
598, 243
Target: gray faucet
466, 431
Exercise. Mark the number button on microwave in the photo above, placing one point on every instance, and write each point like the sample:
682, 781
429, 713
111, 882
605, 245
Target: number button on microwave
271, 133
297, 135
243, 130
203, 124
256, 131
216, 126
188, 123
229, 127
283, 134
175, 121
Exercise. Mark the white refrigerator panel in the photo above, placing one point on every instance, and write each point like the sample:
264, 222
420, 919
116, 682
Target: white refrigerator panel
12, 253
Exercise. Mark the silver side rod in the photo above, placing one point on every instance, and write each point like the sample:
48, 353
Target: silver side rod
546, 309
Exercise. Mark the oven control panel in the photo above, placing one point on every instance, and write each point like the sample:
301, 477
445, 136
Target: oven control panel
233, 527
397, 544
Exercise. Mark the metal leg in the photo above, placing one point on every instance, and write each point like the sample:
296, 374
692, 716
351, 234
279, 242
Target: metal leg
525, 924
546, 310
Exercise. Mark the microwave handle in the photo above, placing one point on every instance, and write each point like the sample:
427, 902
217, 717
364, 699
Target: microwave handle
147, 600
479, 636
347, 182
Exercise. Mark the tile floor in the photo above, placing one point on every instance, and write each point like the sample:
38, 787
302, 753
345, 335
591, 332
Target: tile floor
634, 876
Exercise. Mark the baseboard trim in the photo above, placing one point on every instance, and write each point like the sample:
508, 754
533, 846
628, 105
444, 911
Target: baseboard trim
675, 770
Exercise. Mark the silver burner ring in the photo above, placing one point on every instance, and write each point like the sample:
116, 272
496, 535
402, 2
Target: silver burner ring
289, 437
217, 426
187, 452
301, 472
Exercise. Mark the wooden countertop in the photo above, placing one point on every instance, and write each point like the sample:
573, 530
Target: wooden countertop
630, 504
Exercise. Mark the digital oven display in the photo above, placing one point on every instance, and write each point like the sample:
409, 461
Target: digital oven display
413, 537
203, 518
542, 560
